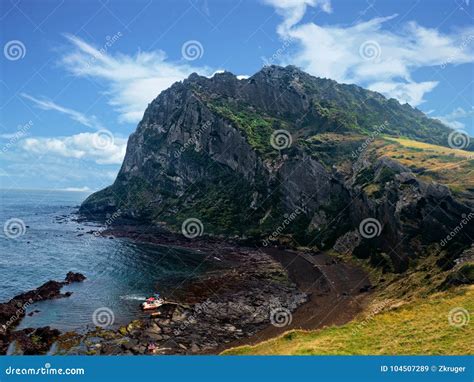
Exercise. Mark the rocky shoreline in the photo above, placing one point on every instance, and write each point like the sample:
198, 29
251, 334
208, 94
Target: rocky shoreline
251, 293
234, 301
31, 341
247, 292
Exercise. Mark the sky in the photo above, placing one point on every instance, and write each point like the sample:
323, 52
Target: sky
76, 76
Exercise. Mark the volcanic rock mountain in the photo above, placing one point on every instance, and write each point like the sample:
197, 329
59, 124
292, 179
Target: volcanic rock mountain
285, 157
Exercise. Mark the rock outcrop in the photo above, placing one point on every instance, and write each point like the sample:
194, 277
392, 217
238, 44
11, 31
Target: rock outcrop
13, 311
245, 157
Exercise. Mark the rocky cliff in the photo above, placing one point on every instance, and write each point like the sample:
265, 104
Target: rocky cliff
286, 157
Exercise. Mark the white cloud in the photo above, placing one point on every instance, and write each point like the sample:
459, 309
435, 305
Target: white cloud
411, 92
102, 149
46, 104
76, 189
23, 169
132, 81
452, 119
369, 54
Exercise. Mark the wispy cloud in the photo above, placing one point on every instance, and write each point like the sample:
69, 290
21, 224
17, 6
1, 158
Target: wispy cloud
132, 81
46, 104
369, 54
453, 119
294, 10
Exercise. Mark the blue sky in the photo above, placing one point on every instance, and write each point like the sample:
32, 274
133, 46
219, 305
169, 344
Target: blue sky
76, 76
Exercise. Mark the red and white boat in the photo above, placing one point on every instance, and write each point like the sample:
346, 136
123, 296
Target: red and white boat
152, 302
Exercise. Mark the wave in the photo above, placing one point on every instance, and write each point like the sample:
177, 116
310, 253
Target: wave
132, 297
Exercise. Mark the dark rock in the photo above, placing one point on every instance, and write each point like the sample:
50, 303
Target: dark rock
129, 344
13, 311
35, 341
110, 349
461, 275
33, 312
190, 135
72, 277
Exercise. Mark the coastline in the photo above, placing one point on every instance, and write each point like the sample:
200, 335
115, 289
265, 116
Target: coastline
253, 295
337, 293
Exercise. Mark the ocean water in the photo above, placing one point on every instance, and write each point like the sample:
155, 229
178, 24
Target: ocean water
120, 273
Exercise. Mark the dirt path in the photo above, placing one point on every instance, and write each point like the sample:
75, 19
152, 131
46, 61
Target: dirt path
335, 289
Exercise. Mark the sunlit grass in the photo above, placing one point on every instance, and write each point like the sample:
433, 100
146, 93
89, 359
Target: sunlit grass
441, 150
417, 327
452, 167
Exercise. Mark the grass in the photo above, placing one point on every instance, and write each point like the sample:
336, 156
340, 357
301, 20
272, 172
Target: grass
440, 150
452, 167
417, 327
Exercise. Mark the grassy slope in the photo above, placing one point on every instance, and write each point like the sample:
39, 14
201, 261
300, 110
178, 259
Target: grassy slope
454, 168
418, 327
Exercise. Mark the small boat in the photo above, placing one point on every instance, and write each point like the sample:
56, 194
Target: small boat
153, 302
151, 348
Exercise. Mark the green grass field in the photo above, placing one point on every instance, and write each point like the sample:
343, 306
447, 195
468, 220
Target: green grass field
454, 168
421, 326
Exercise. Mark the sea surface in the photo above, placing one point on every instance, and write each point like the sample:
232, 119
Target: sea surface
120, 273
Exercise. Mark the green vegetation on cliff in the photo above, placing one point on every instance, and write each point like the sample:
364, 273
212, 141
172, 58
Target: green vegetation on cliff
256, 128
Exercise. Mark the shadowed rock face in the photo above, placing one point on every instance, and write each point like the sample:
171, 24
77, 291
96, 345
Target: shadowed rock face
202, 150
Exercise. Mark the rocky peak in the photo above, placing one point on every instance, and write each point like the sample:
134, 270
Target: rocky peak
206, 149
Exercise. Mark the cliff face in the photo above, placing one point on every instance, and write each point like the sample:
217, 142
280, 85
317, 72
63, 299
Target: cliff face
287, 153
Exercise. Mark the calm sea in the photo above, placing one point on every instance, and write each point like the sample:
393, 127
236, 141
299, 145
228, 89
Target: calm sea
120, 273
